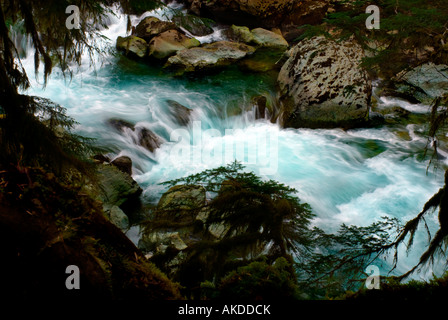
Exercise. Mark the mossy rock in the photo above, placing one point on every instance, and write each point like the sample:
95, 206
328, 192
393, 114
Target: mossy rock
115, 186
133, 45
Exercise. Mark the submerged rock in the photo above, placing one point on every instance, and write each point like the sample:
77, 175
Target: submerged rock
142, 136
266, 38
322, 85
240, 33
120, 125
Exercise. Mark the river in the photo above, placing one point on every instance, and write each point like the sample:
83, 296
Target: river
352, 177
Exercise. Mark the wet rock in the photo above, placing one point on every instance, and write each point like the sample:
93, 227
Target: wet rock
425, 82
195, 25
120, 125
101, 158
169, 42
260, 103
179, 113
149, 140
144, 137
210, 56
322, 86
133, 45
124, 164
241, 34
266, 38
376, 119
152, 26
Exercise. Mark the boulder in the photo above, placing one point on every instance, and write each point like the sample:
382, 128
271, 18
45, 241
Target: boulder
169, 42
240, 33
424, 83
210, 56
117, 217
284, 14
152, 26
149, 140
141, 135
178, 113
195, 25
266, 38
120, 125
322, 86
124, 164
115, 186
133, 45
270, 46
258, 37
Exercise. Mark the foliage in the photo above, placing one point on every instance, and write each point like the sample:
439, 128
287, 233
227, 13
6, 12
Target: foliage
260, 280
54, 225
264, 210
266, 219
24, 137
342, 257
405, 28
392, 289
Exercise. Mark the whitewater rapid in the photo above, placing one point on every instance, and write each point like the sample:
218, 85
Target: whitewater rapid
352, 177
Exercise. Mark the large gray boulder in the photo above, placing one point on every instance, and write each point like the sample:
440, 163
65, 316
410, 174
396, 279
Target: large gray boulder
322, 86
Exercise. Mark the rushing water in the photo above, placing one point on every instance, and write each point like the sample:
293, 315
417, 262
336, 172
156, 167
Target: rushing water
352, 177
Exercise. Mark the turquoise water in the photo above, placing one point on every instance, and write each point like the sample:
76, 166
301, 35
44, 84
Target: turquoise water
352, 177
